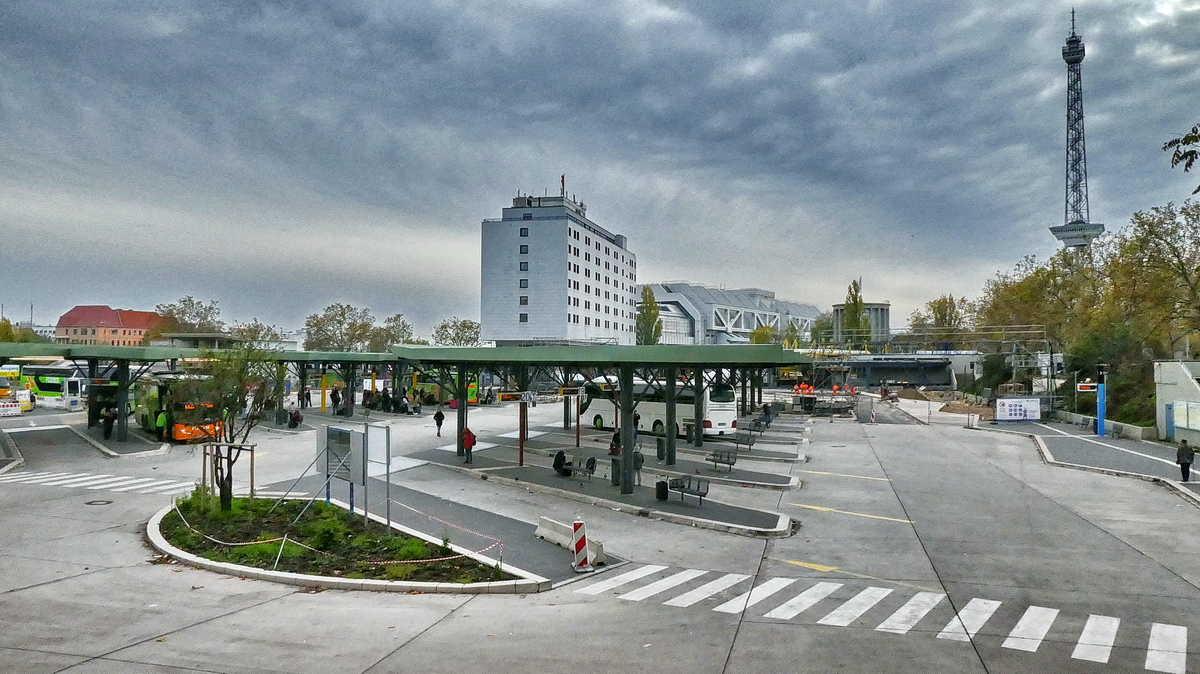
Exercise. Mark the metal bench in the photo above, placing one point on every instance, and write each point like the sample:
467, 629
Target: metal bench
727, 457
757, 426
586, 467
687, 486
743, 438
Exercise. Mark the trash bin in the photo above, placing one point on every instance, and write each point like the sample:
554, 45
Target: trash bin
660, 490
662, 448
616, 471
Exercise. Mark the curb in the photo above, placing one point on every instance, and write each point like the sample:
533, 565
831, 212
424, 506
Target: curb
1048, 459
10, 451
529, 583
782, 529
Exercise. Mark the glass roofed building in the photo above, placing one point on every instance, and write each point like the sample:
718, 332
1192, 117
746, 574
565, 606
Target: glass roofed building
696, 314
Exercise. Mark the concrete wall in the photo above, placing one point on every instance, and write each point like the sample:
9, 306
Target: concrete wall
1175, 380
1114, 429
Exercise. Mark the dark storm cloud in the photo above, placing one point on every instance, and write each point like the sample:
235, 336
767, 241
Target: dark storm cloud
356, 145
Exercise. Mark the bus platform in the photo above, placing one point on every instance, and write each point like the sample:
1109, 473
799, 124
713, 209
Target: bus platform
500, 462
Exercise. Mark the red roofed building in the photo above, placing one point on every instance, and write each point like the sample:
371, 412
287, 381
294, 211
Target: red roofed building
101, 324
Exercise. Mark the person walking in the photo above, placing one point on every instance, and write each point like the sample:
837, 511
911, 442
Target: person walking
335, 396
1184, 457
107, 419
438, 418
468, 440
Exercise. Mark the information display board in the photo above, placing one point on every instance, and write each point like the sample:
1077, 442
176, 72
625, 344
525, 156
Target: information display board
1018, 409
342, 453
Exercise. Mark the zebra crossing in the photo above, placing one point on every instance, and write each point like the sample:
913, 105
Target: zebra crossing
1166, 648
101, 482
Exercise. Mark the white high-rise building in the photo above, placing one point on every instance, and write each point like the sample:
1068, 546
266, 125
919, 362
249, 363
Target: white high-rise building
551, 275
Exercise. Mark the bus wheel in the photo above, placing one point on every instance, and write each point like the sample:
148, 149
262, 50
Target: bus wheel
598, 423
659, 429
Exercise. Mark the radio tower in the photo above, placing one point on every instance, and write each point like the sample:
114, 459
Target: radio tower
1077, 231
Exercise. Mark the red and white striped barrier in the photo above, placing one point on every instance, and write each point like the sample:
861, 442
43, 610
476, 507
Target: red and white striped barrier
579, 543
10, 409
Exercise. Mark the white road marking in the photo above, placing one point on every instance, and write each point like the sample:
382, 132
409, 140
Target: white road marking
745, 601
663, 585
147, 485
858, 605
184, 484
1096, 642
707, 590
479, 446
77, 481
47, 478
1031, 629
517, 434
122, 482
618, 581
1167, 651
907, 616
12, 477
803, 601
969, 620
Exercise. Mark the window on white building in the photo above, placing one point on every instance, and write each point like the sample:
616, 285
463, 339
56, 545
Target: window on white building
525, 230
524, 299
523, 318
524, 283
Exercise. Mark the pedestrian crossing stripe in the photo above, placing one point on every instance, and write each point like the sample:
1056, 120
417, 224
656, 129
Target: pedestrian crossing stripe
101, 481
1166, 649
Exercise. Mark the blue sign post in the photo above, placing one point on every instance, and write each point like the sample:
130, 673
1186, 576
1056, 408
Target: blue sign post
1100, 371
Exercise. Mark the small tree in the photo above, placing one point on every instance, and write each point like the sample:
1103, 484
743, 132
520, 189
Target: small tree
856, 326
186, 315
821, 331
395, 330
648, 324
764, 334
242, 383
456, 332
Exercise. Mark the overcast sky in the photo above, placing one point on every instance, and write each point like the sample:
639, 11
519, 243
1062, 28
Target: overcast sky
282, 156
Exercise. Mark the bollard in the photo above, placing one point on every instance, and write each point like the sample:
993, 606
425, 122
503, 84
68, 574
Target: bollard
579, 544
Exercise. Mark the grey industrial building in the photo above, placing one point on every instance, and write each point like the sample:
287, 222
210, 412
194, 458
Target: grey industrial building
878, 316
696, 314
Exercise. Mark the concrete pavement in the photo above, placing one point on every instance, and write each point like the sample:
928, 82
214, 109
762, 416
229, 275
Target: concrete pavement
894, 515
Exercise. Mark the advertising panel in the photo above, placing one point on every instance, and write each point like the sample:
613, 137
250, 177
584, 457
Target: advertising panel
1018, 409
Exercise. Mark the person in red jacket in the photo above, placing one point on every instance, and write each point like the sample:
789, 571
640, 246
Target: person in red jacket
468, 440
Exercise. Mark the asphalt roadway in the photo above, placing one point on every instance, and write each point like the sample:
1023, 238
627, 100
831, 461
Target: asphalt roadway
922, 547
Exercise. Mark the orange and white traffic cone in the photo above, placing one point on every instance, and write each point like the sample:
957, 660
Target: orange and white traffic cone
582, 563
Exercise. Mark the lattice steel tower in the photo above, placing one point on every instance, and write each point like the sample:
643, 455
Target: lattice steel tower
1077, 230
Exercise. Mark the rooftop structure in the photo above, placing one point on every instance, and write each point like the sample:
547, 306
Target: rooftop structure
101, 324
696, 314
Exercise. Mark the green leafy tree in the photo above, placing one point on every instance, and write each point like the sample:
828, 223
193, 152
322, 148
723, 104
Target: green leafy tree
821, 331
856, 326
941, 322
456, 332
340, 327
186, 315
764, 334
7, 334
395, 330
791, 336
647, 324
1183, 150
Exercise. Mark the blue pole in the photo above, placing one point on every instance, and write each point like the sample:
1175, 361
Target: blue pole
351, 497
326, 490
1100, 408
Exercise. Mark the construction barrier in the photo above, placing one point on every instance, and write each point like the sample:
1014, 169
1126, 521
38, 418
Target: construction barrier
563, 535
580, 545
10, 409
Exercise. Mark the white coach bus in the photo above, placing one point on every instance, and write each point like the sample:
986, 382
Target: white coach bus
720, 406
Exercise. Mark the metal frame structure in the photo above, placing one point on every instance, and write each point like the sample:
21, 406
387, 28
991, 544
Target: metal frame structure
1077, 231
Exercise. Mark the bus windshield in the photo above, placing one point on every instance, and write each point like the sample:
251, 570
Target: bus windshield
722, 393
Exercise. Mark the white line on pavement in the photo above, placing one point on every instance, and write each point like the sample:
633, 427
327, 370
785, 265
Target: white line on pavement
907, 616
617, 581
1096, 642
707, 590
858, 605
77, 481
969, 620
803, 601
1167, 651
663, 584
1031, 629
122, 482
745, 601
1105, 444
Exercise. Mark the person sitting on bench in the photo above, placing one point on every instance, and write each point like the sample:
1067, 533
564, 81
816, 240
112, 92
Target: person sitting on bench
561, 465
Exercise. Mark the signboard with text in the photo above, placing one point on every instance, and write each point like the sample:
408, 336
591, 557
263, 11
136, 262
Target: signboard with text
1018, 409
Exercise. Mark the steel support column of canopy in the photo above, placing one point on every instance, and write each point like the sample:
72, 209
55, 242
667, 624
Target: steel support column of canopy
460, 401
671, 430
698, 408
625, 379
122, 400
